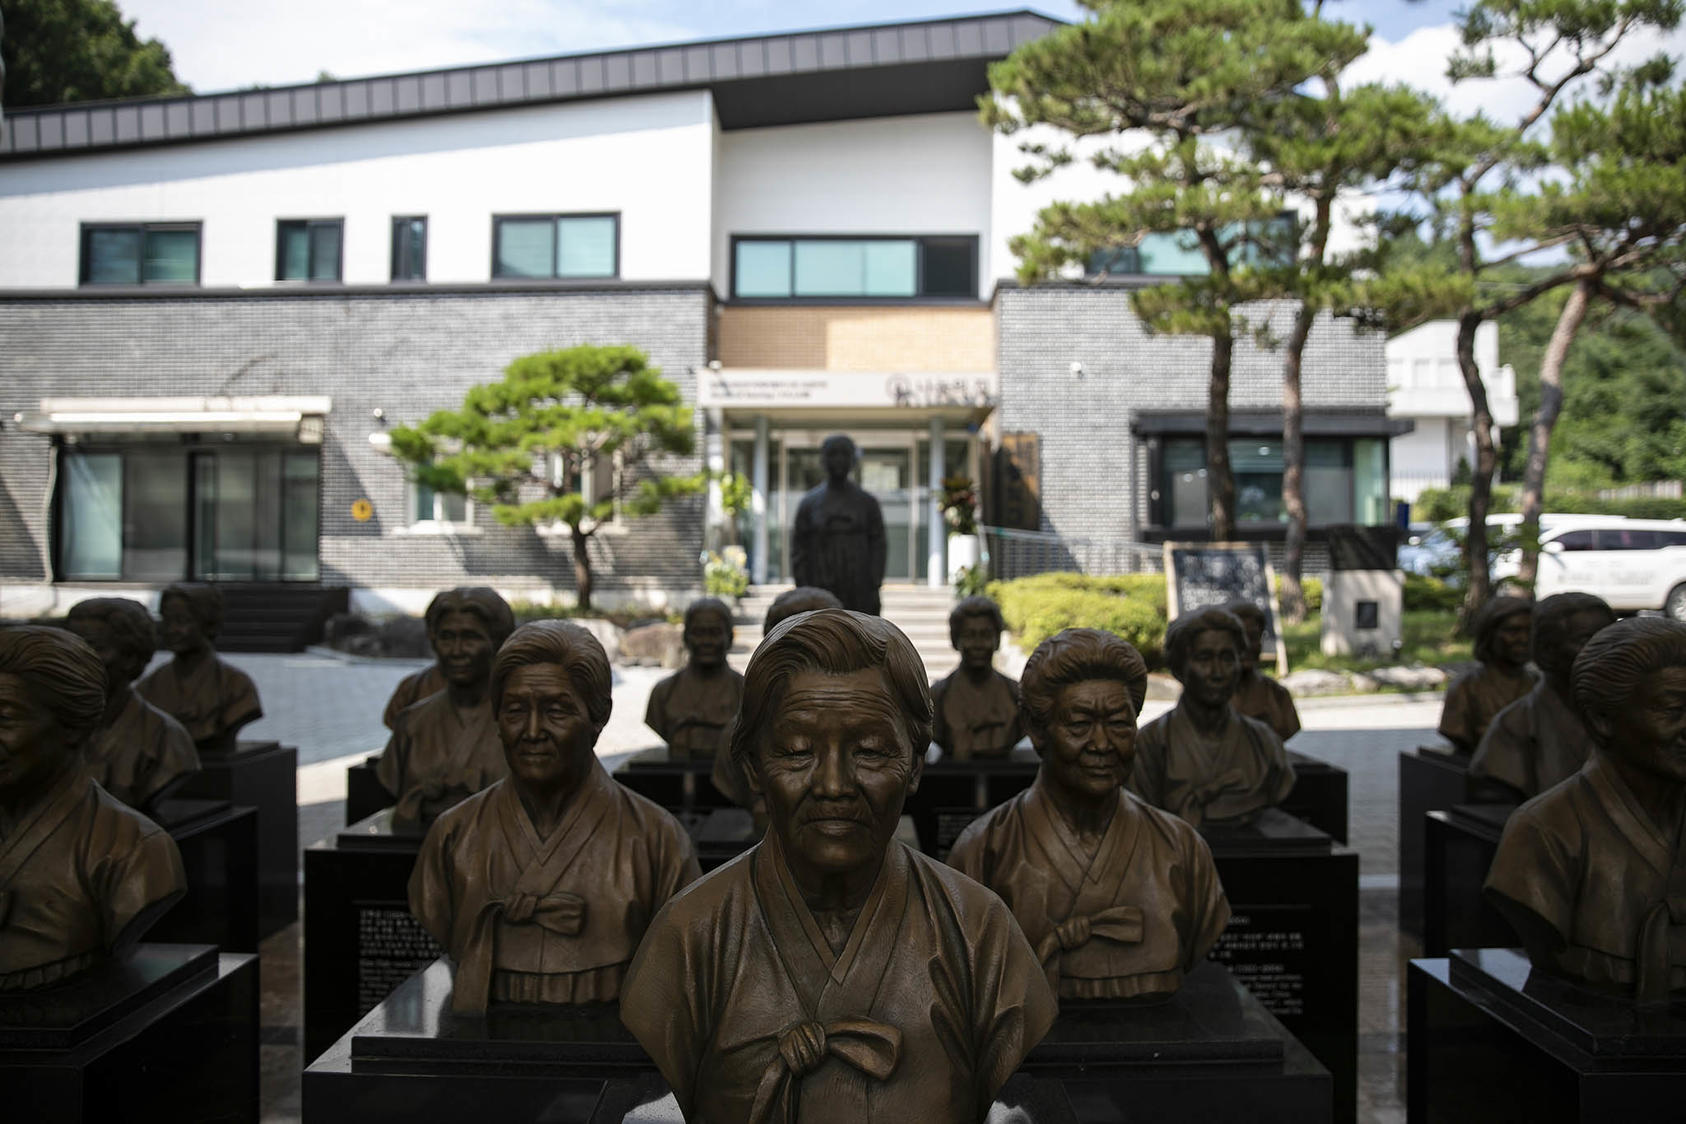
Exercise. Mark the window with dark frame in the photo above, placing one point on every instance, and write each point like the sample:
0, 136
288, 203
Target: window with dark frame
1345, 481
140, 253
877, 267
309, 249
409, 247
555, 246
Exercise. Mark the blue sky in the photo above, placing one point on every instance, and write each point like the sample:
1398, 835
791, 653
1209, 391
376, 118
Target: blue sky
220, 45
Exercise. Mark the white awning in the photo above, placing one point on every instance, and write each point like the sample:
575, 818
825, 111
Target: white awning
911, 396
300, 418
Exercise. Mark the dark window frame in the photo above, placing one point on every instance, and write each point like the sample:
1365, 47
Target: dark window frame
918, 241
309, 225
1159, 494
197, 226
556, 244
1090, 271
402, 222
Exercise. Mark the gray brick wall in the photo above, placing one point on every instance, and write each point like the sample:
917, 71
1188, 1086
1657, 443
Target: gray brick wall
1084, 421
408, 354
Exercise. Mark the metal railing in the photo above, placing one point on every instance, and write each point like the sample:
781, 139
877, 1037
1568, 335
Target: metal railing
1018, 554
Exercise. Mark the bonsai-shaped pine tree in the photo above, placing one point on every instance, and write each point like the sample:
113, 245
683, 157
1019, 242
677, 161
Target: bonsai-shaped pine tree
527, 445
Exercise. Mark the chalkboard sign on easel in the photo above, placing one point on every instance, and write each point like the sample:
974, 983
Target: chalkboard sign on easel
1203, 574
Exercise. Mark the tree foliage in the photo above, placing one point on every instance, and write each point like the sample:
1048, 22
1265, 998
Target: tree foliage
79, 50
526, 445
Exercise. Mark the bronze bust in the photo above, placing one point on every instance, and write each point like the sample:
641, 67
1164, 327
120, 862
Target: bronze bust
1257, 695
541, 885
213, 699
832, 974
1592, 873
692, 709
139, 753
445, 748
977, 707
726, 774
837, 542
1503, 634
417, 685
1539, 740
1119, 899
1201, 760
82, 876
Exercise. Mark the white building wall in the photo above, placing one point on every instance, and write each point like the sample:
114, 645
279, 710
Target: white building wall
1425, 386
650, 158
921, 174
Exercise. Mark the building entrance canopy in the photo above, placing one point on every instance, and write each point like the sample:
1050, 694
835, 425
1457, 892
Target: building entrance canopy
300, 418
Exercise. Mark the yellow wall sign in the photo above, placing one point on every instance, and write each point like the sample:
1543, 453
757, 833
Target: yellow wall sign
362, 510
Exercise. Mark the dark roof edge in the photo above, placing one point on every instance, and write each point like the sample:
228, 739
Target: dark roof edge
166, 99
330, 292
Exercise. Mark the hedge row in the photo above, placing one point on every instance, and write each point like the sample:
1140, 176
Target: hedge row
1436, 505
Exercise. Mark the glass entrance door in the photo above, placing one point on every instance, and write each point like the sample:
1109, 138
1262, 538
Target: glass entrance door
888, 475
254, 515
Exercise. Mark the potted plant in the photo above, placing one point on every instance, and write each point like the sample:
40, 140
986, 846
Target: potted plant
960, 514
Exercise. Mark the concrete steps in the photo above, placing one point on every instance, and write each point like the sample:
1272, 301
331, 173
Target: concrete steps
919, 611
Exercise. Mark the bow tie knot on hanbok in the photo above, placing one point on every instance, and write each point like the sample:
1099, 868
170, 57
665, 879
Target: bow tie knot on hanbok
868, 1046
561, 912
1121, 923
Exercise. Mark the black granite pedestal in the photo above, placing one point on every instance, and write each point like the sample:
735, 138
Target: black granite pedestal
1022, 1100
1210, 1052
1430, 780
261, 775
219, 853
954, 793
1319, 795
171, 1034
1492, 1040
672, 782
360, 941
1292, 939
364, 793
1458, 849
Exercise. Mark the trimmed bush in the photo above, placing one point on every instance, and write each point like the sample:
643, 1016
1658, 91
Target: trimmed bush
1130, 605
1312, 588
1431, 594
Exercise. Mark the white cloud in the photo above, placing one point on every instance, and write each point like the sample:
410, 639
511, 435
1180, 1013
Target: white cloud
220, 45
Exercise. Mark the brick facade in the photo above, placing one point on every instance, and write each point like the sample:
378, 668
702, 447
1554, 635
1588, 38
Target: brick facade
918, 338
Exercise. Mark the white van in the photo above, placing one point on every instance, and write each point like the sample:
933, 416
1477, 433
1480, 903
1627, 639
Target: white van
1631, 563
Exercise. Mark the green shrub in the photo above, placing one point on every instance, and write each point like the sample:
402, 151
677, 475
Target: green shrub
1130, 605
1430, 594
1311, 588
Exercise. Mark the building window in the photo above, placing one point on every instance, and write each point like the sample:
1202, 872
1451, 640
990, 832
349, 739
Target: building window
309, 249
439, 510
546, 246
1180, 255
1345, 481
409, 248
822, 268
154, 253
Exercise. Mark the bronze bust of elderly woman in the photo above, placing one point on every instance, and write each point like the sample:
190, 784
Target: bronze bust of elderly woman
1503, 634
976, 708
445, 748
831, 974
82, 876
209, 696
692, 709
1592, 873
1201, 760
1120, 899
541, 885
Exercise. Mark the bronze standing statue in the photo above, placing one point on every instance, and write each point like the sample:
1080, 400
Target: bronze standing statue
417, 685
541, 886
213, 699
831, 974
976, 707
1539, 740
1257, 695
1503, 636
1592, 872
139, 753
1201, 760
1119, 899
838, 542
445, 748
692, 709
82, 876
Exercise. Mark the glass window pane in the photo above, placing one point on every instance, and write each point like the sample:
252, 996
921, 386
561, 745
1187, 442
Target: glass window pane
409, 249
1184, 464
1171, 253
423, 511
171, 255
155, 516
526, 248
889, 269
1328, 483
588, 248
114, 257
1369, 481
91, 537
948, 268
452, 508
325, 251
830, 269
295, 251
299, 517
1257, 465
763, 269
